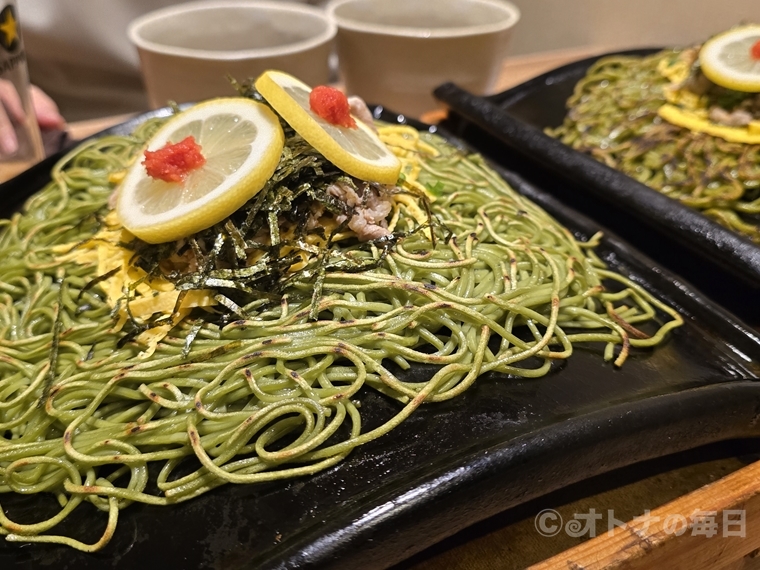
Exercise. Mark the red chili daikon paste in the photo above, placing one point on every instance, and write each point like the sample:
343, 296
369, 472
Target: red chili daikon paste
173, 162
331, 105
754, 51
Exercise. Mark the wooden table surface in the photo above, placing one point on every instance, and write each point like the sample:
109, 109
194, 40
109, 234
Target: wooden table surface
710, 493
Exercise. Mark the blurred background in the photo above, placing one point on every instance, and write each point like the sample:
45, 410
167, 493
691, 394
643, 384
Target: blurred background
78, 52
73, 44
547, 25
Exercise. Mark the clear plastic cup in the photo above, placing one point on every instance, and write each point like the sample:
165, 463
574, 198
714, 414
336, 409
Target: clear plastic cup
20, 139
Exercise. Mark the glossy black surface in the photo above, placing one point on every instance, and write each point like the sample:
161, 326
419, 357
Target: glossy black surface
500, 444
508, 127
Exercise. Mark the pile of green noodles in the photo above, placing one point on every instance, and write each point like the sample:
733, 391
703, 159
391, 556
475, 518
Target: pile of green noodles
279, 395
613, 117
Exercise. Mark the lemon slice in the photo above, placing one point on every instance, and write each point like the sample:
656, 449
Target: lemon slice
357, 151
729, 59
241, 141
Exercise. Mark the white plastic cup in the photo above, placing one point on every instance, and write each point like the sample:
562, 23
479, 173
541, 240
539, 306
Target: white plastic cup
396, 52
189, 51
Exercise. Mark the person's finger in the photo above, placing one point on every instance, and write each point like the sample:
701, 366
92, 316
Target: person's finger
48, 115
8, 140
11, 101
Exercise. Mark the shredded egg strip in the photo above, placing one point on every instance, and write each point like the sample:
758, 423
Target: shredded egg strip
149, 297
406, 144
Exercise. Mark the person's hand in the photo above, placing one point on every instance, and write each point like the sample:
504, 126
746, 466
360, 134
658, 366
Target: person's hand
11, 110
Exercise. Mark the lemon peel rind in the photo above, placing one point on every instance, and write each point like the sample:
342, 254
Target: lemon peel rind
223, 200
711, 49
386, 172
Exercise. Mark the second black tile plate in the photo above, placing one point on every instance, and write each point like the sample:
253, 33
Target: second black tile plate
508, 127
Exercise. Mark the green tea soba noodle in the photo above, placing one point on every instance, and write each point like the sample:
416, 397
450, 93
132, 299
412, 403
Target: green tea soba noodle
613, 116
491, 284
